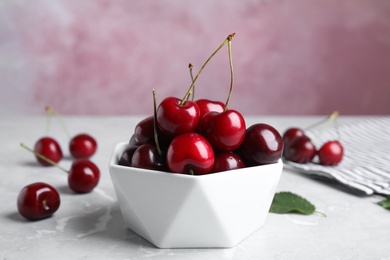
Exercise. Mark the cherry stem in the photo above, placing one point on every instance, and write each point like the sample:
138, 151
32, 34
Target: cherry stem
155, 124
326, 120
48, 120
43, 157
190, 66
186, 97
320, 213
231, 73
51, 111
337, 129
229, 38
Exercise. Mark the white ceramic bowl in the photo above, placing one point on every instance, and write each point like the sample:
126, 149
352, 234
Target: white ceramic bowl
184, 211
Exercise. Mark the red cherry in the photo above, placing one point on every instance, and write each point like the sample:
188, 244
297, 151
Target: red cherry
82, 146
147, 157
206, 106
132, 141
331, 153
290, 134
301, 150
127, 155
144, 134
174, 119
144, 131
37, 201
190, 153
225, 131
50, 148
262, 145
83, 176
226, 161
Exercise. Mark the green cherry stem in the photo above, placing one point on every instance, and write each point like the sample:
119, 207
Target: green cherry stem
50, 111
337, 128
320, 213
190, 66
326, 120
186, 97
43, 157
229, 38
231, 73
48, 120
155, 124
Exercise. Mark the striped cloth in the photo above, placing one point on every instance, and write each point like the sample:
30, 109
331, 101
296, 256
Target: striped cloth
366, 162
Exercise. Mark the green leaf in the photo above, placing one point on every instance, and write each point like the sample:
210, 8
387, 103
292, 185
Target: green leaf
385, 203
287, 202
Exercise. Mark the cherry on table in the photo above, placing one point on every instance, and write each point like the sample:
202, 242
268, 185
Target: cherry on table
190, 153
82, 146
301, 150
290, 134
48, 147
38, 201
331, 153
83, 175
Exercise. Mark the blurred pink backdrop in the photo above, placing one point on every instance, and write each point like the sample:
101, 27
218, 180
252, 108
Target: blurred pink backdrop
101, 57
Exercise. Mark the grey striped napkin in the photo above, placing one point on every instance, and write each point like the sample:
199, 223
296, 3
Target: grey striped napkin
366, 162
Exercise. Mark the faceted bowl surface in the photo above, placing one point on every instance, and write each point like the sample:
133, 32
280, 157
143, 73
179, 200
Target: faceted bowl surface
184, 211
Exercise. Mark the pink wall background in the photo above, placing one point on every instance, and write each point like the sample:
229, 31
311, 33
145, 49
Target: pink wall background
300, 57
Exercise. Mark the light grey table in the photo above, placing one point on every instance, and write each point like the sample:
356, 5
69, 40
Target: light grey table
90, 226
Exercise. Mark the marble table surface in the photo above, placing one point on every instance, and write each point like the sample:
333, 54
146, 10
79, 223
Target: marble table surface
90, 226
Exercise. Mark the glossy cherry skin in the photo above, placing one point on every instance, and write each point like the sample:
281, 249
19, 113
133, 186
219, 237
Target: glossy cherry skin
206, 105
301, 150
190, 153
144, 131
144, 134
174, 119
83, 176
127, 155
262, 145
290, 134
147, 157
49, 148
331, 153
226, 161
38, 201
132, 141
82, 146
225, 131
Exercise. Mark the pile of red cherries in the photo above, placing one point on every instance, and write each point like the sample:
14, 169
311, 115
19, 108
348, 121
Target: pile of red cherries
40, 200
299, 148
198, 137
